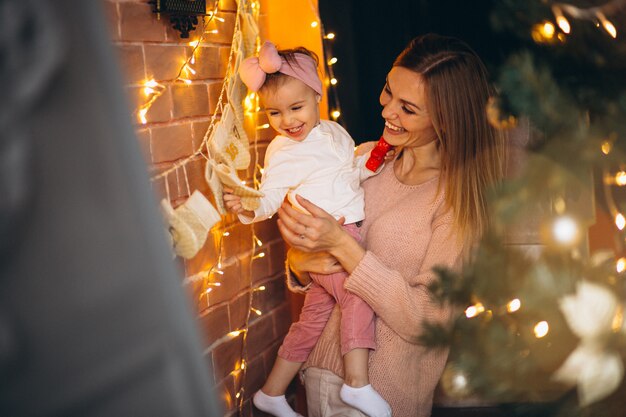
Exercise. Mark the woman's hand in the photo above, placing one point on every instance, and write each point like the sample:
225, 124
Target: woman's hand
309, 233
318, 232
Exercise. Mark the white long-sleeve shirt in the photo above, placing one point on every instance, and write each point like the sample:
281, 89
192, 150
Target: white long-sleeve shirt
321, 168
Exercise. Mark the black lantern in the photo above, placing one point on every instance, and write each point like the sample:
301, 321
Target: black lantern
183, 13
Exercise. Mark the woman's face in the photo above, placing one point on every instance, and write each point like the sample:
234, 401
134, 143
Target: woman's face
407, 122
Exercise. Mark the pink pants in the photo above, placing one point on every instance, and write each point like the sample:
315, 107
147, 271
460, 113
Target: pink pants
357, 318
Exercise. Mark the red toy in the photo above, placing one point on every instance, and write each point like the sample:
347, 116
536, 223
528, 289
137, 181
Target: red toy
378, 155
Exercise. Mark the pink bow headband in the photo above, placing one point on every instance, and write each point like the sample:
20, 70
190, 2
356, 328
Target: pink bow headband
253, 70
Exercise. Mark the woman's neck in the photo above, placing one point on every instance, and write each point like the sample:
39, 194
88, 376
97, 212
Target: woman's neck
418, 164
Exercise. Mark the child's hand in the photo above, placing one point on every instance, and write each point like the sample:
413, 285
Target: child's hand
232, 201
364, 148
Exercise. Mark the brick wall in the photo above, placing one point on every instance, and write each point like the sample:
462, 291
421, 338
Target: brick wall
176, 123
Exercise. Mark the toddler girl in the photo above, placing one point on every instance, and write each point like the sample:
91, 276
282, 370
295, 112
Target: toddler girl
315, 159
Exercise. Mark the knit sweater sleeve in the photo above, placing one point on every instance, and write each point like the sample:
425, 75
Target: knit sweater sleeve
405, 303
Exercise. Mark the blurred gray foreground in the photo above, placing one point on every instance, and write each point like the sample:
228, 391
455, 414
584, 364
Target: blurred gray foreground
93, 320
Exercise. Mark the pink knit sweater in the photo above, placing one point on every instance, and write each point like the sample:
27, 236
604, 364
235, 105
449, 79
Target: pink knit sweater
406, 232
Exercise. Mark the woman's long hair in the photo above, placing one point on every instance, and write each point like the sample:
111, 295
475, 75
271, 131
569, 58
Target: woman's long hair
472, 151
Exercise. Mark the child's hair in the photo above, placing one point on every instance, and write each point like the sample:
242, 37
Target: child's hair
276, 79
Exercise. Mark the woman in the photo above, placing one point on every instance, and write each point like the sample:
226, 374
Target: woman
426, 208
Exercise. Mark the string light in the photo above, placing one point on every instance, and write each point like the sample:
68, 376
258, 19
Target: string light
259, 255
473, 311
541, 329
330, 36
258, 241
513, 305
263, 126
606, 147
607, 25
257, 312
335, 114
620, 266
314, 24
261, 288
333, 81
565, 230
620, 221
332, 61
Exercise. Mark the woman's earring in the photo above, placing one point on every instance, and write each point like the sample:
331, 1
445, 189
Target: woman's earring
318, 98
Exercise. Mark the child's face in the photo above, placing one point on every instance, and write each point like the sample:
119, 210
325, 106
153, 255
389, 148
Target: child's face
292, 109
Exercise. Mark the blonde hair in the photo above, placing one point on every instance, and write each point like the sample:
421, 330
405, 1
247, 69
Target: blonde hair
471, 150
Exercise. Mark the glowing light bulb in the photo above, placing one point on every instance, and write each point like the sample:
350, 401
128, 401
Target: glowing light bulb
243, 365
607, 25
620, 266
565, 230
194, 43
314, 24
606, 147
148, 91
260, 255
226, 234
513, 305
620, 221
258, 241
548, 29
330, 36
142, 116
332, 61
235, 333
263, 126
212, 31
541, 329
257, 312
620, 178
473, 311
335, 114
333, 81
563, 23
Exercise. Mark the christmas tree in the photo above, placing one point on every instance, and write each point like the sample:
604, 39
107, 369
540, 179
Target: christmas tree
543, 331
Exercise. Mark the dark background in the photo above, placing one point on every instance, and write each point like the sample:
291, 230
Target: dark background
370, 34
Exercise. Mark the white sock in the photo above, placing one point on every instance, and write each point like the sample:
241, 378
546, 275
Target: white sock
277, 406
366, 400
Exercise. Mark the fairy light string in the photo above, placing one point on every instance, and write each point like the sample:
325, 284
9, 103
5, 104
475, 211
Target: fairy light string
596, 14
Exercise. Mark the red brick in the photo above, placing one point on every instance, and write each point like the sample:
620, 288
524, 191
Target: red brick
198, 130
170, 143
239, 241
270, 354
282, 320
159, 110
208, 63
261, 266
227, 358
143, 136
163, 62
267, 230
214, 95
159, 185
197, 181
272, 297
255, 376
138, 23
260, 335
213, 324
190, 100
239, 309
224, 29
278, 254
112, 18
231, 284
131, 63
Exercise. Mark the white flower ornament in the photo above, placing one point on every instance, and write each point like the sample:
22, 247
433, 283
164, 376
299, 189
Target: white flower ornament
591, 314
